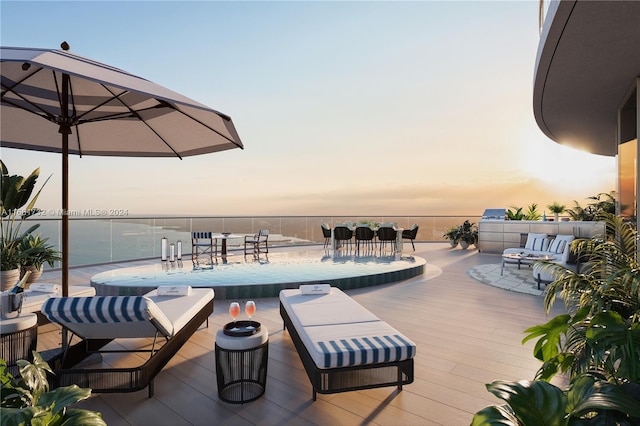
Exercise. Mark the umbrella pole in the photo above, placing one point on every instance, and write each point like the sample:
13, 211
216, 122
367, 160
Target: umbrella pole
65, 215
65, 130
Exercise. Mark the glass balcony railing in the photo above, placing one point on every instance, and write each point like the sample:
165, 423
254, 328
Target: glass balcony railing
94, 241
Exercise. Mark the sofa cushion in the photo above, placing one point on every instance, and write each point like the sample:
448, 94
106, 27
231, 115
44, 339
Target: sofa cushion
557, 246
536, 242
564, 254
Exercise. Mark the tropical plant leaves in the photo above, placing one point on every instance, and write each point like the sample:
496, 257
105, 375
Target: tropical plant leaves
533, 403
587, 395
495, 415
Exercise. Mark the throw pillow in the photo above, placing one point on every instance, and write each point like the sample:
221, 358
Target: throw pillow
536, 242
557, 246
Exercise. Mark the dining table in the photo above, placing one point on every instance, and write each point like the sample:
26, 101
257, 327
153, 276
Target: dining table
223, 237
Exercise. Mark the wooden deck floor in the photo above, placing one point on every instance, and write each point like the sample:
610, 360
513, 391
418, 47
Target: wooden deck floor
467, 334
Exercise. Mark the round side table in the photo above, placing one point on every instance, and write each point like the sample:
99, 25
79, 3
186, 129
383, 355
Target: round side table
241, 366
19, 337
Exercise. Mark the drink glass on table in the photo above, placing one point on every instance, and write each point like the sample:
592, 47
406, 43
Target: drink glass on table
234, 311
250, 308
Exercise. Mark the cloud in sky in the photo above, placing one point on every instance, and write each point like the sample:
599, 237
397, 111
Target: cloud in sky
343, 107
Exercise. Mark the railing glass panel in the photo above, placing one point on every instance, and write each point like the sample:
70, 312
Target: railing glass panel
93, 241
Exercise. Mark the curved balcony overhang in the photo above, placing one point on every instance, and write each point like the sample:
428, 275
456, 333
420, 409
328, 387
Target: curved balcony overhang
588, 58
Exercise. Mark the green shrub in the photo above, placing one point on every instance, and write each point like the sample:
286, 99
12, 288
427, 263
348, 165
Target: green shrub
29, 401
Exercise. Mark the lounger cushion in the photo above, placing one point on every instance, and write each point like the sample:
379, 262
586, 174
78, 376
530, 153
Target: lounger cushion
338, 332
180, 309
36, 295
344, 345
110, 317
324, 309
104, 317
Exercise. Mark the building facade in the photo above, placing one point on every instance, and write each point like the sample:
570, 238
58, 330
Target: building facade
586, 83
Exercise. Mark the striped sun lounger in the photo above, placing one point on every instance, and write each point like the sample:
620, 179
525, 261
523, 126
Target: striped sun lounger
168, 319
342, 345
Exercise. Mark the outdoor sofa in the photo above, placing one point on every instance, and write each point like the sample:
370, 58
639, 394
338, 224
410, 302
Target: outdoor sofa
167, 316
342, 345
557, 247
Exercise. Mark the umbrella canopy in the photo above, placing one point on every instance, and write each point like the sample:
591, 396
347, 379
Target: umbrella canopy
110, 112
55, 101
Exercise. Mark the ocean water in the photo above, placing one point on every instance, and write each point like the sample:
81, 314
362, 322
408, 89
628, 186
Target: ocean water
97, 241
93, 241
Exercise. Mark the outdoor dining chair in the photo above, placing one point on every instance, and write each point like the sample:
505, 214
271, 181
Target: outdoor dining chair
365, 235
326, 233
257, 240
411, 234
342, 234
203, 244
388, 235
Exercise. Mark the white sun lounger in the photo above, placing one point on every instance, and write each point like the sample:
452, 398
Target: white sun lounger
99, 320
342, 345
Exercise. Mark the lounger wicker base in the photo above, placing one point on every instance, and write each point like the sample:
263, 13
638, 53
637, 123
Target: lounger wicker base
359, 370
120, 380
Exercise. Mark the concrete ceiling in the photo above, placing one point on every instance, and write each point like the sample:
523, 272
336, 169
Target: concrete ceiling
588, 59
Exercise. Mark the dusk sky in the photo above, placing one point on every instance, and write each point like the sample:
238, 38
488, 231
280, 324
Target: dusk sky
362, 108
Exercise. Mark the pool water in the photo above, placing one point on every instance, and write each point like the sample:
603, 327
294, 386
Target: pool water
238, 276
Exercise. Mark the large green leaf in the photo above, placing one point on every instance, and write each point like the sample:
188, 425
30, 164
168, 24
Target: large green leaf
26, 416
34, 375
80, 417
63, 397
533, 403
495, 415
551, 332
587, 395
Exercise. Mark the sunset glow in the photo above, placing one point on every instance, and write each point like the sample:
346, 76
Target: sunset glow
413, 108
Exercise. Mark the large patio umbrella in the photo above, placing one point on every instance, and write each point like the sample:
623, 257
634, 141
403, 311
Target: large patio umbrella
55, 101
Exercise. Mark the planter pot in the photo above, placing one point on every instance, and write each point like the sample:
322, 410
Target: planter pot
9, 278
453, 243
464, 245
35, 273
556, 216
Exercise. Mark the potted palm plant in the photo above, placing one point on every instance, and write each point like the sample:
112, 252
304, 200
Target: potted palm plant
15, 194
35, 252
556, 208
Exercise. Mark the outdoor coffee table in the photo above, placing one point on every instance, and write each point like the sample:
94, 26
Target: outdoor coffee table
522, 258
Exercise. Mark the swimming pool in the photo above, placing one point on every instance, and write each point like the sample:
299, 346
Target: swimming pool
240, 277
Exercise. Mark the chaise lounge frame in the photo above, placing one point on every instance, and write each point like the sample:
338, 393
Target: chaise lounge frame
120, 380
344, 379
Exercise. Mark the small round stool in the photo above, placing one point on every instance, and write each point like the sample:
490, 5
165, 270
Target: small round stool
241, 365
19, 337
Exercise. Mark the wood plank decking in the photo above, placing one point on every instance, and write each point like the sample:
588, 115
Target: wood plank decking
468, 334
